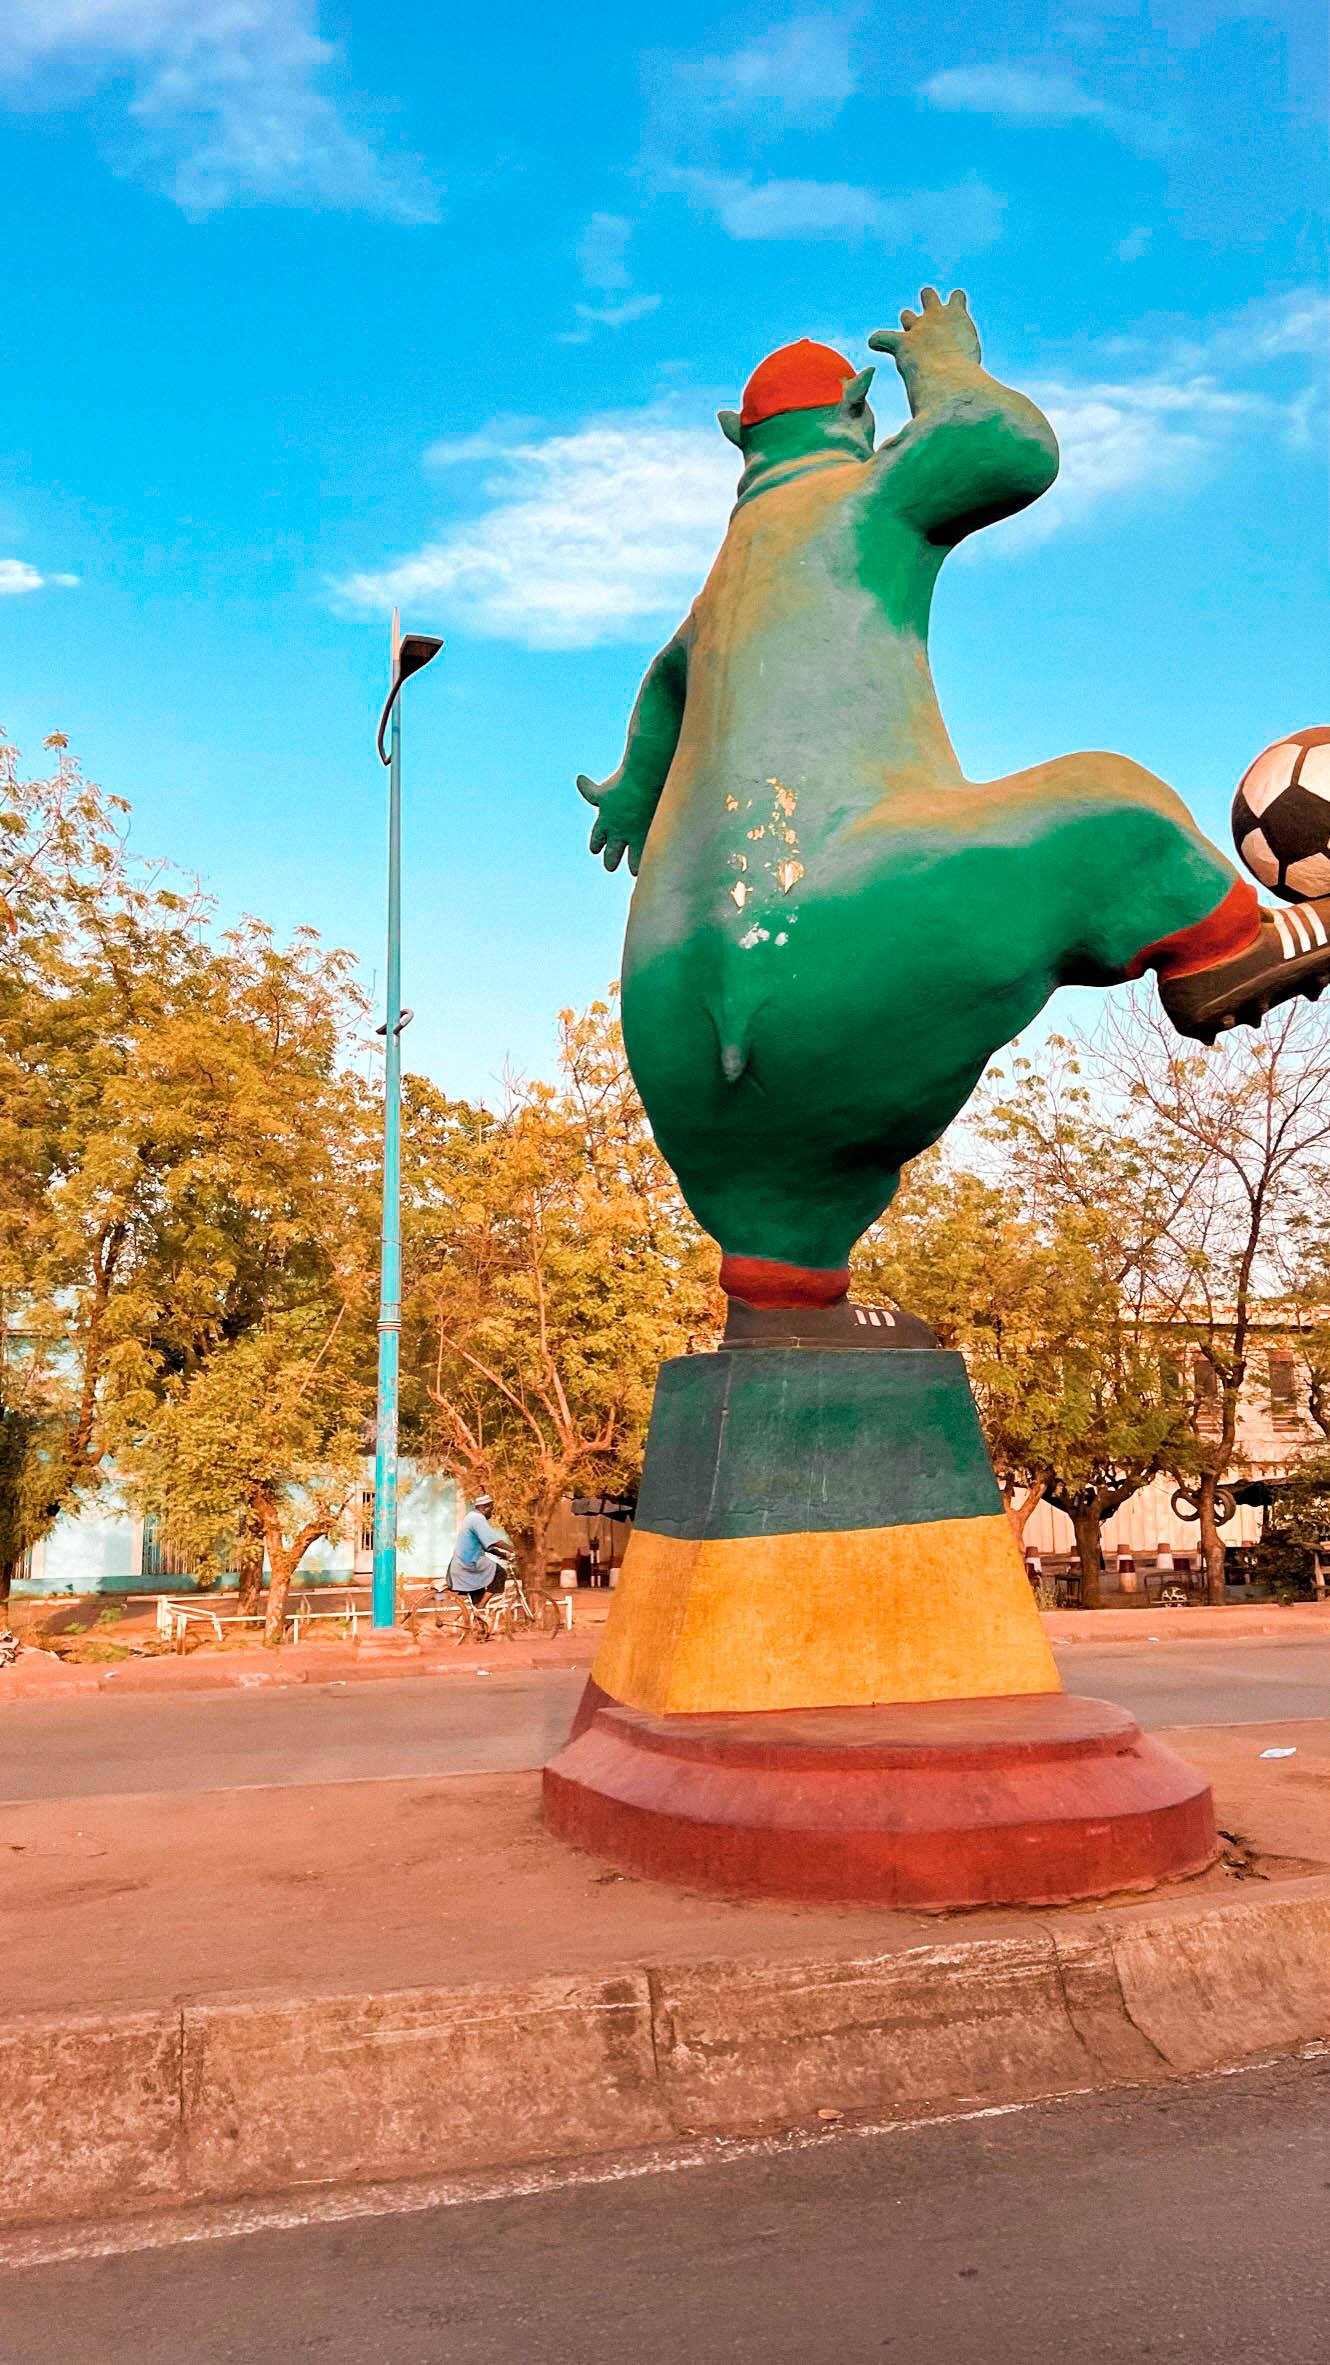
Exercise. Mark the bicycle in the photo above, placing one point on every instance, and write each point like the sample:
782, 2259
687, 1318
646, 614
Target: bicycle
512, 1611
461, 1616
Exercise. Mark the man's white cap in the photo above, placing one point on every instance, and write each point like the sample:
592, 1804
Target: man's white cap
484, 1502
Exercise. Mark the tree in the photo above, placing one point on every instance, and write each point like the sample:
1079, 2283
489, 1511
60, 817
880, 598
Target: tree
1023, 1279
31, 1457
242, 1384
1293, 1547
185, 1162
75, 925
271, 1430
1207, 1169
551, 1265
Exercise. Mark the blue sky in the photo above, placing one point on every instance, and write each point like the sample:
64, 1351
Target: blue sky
310, 309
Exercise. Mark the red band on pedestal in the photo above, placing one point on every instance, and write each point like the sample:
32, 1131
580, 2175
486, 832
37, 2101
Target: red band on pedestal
760, 1281
1034, 1800
1229, 929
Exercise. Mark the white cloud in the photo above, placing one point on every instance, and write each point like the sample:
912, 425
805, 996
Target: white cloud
783, 209
948, 220
225, 103
1136, 243
16, 577
602, 252
801, 71
1026, 95
595, 536
605, 533
618, 315
602, 256
1015, 94
487, 443
1125, 438
1298, 322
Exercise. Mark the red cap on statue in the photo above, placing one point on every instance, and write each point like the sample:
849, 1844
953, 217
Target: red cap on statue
802, 377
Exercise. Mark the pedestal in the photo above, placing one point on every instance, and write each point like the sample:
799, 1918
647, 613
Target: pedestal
824, 1674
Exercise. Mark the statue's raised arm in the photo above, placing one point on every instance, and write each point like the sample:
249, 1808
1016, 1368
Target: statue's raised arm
974, 450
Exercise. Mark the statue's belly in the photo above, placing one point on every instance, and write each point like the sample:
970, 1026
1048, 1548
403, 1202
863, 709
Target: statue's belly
858, 977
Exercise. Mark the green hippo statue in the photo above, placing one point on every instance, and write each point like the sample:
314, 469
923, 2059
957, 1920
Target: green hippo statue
832, 929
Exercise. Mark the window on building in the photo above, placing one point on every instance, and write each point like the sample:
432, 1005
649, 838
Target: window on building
365, 1536
1205, 1392
163, 1560
1283, 1391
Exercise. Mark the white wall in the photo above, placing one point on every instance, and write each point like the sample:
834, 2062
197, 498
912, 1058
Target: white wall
1147, 1520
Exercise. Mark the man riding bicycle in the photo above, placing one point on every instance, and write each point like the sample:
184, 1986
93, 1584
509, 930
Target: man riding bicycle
479, 1564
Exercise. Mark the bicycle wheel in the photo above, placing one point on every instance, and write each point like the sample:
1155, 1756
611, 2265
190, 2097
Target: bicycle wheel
548, 1619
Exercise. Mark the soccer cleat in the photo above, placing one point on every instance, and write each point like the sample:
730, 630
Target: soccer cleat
839, 1326
1290, 956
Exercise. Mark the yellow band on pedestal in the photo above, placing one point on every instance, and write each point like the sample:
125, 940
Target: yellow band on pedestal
937, 1610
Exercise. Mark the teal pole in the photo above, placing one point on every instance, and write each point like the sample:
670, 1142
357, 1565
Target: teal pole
408, 656
390, 1264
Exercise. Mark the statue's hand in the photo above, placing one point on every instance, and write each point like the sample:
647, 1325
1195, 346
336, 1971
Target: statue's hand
939, 336
623, 817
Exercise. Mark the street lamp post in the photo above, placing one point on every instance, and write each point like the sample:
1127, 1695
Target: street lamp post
408, 656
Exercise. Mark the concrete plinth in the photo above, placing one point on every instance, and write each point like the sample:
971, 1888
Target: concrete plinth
824, 1675
1036, 1800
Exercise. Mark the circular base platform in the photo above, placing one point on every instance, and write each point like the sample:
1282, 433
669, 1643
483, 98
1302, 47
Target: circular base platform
1036, 1799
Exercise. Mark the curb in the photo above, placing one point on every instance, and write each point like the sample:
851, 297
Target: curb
1232, 1623
103, 2114
48, 1678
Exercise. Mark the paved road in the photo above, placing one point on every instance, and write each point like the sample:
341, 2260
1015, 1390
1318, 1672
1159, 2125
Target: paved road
1183, 2224
1181, 1683
465, 1724
447, 1724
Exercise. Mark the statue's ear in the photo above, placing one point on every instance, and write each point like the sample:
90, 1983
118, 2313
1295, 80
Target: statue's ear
857, 388
730, 425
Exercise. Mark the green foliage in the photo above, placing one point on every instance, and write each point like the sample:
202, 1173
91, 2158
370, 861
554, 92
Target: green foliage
551, 1265
1296, 1525
1024, 1280
273, 1423
186, 1170
189, 1176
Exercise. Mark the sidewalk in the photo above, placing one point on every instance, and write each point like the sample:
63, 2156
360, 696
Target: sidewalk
226, 1993
37, 1675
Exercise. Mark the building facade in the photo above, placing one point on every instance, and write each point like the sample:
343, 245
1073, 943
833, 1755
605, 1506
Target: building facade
103, 1548
1275, 1431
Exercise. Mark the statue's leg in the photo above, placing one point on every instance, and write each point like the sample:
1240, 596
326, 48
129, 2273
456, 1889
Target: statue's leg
761, 1156
1156, 895
1133, 882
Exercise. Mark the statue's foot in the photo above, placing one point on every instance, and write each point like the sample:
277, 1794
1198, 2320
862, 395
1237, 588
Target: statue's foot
1290, 956
839, 1326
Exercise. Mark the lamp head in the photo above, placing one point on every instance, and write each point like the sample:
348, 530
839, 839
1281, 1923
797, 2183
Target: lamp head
411, 652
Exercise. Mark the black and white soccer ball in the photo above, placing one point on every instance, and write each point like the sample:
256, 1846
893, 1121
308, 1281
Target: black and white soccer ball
1281, 816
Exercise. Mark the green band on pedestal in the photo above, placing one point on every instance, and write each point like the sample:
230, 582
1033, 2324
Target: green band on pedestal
766, 1441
